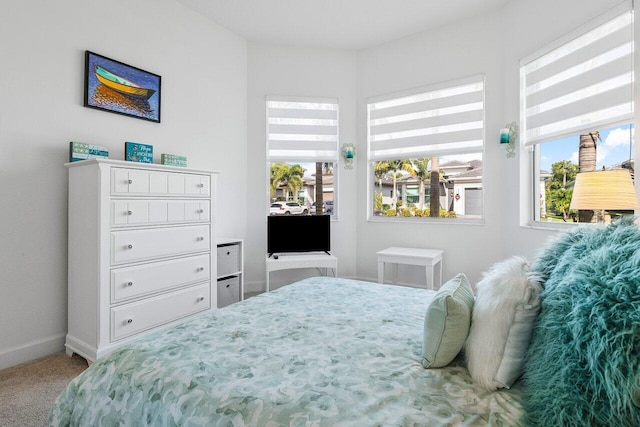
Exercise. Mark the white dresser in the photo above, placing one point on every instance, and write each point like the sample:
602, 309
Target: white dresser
140, 250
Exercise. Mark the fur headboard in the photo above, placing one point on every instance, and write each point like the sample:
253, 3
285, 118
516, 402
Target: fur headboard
583, 364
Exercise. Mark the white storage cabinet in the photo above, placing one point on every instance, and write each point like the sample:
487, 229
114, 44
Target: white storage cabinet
230, 271
140, 250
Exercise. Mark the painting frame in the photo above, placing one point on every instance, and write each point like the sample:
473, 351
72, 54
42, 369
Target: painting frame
116, 87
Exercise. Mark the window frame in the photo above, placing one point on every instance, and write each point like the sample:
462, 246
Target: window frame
481, 150
334, 159
530, 153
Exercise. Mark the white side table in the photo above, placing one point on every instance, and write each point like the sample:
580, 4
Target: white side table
291, 261
429, 258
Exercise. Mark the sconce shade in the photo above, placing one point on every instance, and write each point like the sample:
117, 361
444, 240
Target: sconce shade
504, 136
349, 153
608, 190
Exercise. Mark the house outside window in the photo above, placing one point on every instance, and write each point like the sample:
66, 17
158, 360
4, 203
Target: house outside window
302, 152
425, 152
577, 112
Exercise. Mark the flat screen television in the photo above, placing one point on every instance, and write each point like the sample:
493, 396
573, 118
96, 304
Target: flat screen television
298, 233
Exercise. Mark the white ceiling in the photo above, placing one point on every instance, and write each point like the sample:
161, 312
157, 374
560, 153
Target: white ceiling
348, 24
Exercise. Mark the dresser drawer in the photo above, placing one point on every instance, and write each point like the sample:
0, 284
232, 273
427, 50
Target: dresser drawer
139, 316
149, 212
228, 260
156, 183
141, 280
197, 185
138, 212
137, 245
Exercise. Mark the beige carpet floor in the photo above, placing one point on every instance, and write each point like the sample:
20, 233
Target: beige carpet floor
27, 391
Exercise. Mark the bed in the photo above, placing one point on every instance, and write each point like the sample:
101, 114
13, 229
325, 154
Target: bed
319, 352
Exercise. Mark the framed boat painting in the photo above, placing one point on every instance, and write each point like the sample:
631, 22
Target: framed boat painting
116, 87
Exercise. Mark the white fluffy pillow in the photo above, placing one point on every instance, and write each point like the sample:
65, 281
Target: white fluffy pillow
505, 310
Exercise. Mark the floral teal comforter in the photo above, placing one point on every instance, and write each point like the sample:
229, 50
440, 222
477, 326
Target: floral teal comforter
320, 352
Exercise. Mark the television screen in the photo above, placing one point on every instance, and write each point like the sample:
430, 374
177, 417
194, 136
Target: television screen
298, 233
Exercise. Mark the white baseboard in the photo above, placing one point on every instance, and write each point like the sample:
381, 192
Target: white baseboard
31, 351
253, 287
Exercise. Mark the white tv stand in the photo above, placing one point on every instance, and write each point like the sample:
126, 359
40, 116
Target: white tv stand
301, 260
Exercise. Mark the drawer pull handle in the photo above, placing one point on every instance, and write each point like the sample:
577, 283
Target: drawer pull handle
129, 246
201, 185
200, 238
200, 269
200, 210
130, 181
129, 213
129, 321
200, 299
129, 284
228, 253
228, 286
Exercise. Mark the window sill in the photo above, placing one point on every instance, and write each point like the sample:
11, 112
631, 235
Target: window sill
550, 226
423, 220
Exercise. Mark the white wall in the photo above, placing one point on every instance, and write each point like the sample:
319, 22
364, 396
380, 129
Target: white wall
464, 49
492, 44
42, 44
530, 26
279, 70
214, 88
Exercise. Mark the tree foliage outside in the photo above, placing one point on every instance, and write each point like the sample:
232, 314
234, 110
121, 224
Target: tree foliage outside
319, 190
322, 168
587, 158
288, 176
434, 188
560, 202
380, 169
426, 170
422, 172
563, 173
396, 167
559, 188
377, 202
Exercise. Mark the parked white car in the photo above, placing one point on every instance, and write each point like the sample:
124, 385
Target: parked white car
327, 207
287, 208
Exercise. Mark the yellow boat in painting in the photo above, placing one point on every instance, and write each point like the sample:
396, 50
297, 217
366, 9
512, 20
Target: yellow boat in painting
122, 85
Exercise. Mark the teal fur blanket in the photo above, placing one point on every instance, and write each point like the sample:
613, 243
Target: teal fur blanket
583, 364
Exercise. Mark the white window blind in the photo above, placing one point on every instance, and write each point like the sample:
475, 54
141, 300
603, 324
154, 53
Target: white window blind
581, 82
439, 120
302, 129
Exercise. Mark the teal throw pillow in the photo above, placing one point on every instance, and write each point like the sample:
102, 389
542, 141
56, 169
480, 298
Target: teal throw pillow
446, 322
582, 366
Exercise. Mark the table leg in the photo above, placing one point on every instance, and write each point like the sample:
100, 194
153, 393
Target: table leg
267, 281
394, 272
429, 271
380, 271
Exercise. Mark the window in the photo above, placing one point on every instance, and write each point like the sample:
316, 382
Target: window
302, 152
425, 152
577, 111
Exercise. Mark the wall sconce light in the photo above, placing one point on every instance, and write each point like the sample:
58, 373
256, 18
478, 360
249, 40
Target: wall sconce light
509, 136
349, 153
